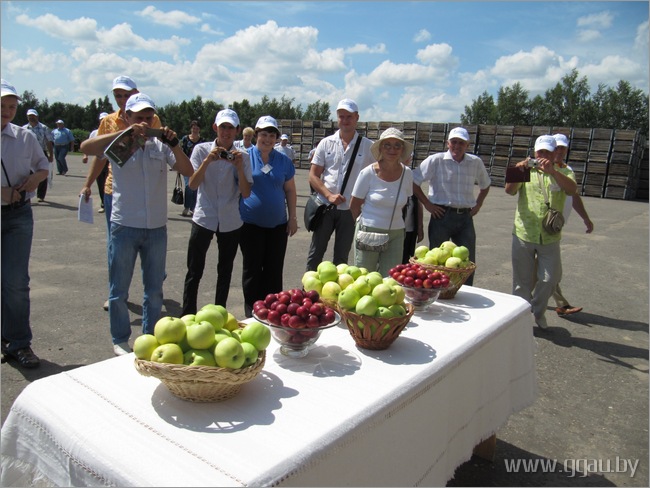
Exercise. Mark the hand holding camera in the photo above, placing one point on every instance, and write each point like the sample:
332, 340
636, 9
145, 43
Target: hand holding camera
166, 135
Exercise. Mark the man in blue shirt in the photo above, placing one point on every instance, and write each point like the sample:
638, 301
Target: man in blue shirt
63, 142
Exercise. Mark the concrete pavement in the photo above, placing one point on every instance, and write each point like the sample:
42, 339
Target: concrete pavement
592, 408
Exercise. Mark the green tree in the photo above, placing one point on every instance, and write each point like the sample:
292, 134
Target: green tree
567, 102
482, 111
317, 111
513, 106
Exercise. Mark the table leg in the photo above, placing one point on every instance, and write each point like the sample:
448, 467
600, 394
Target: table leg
487, 448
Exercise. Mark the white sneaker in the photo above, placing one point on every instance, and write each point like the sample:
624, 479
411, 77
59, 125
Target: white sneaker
106, 305
541, 322
122, 348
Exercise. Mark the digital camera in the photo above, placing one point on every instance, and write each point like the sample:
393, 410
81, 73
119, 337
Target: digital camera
532, 163
227, 155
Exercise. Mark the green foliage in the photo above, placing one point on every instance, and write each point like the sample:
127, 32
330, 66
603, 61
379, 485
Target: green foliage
568, 104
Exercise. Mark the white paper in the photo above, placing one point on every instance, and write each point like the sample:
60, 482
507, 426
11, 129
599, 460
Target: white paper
85, 209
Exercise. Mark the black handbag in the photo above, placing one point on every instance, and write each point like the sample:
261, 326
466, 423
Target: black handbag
177, 195
315, 211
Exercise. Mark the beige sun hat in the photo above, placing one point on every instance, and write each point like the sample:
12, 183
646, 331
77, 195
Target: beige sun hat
392, 133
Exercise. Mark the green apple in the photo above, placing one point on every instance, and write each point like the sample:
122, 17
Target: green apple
144, 345
345, 280
453, 262
420, 251
257, 334
221, 334
236, 334
448, 245
364, 271
200, 335
169, 329
331, 290
212, 315
327, 272
362, 285
460, 252
222, 310
439, 254
400, 295
384, 295
307, 275
340, 268
250, 354
374, 278
465, 263
168, 353
353, 271
185, 346
228, 353
428, 260
398, 310
348, 298
189, 318
312, 283
199, 357
366, 305
385, 312
390, 281
231, 324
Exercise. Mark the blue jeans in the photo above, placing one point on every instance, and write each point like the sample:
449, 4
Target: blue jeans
60, 152
458, 228
189, 202
17, 233
126, 244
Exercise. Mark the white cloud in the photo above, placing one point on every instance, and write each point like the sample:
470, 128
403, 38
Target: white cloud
82, 29
389, 73
439, 55
524, 64
38, 61
641, 40
589, 35
365, 49
422, 35
173, 18
611, 69
329, 60
601, 20
121, 37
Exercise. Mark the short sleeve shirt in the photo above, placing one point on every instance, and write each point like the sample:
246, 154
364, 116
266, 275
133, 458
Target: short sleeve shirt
42, 133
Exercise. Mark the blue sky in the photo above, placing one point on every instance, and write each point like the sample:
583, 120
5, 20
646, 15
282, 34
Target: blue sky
400, 61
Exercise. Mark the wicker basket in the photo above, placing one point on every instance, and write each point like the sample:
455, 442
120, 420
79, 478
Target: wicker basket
201, 383
377, 340
457, 276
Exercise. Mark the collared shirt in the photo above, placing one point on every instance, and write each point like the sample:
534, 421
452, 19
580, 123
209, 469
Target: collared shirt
116, 122
140, 187
62, 137
286, 150
217, 198
334, 159
21, 153
531, 207
42, 133
452, 183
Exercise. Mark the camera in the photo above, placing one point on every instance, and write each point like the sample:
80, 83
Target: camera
532, 163
227, 155
149, 132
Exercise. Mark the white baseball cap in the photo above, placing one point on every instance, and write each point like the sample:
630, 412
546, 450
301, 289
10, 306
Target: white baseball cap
561, 140
124, 83
60, 121
138, 102
227, 115
8, 89
266, 121
102, 115
32, 111
284, 137
458, 133
545, 142
392, 133
347, 105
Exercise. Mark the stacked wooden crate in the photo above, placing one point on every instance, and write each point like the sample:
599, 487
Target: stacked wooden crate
642, 189
501, 154
623, 166
485, 144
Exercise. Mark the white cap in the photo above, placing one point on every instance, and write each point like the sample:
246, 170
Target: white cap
284, 137
227, 115
102, 115
124, 83
32, 111
138, 102
545, 142
60, 121
8, 89
266, 121
458, 133
561, 140
347, 105
392, 133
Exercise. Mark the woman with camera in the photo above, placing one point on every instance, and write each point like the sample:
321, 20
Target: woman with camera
222, 175
379, 194
266, 227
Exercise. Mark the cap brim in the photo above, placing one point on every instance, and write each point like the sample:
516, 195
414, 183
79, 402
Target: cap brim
548, 147
138, 107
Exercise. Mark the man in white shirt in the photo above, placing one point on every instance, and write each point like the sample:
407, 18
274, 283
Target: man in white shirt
139, 216
44, 136
326, 176
284, 147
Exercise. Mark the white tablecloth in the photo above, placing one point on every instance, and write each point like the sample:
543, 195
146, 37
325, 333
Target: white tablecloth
405, 416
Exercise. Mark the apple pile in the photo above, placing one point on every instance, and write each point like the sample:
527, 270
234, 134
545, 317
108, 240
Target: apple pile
211, 337
416, 276
448, 254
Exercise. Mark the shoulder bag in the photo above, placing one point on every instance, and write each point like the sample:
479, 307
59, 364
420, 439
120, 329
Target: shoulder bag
377, 241
177, 195
314, 210
553, 220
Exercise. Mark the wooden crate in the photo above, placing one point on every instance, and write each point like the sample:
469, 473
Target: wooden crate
487, 129
502, 150
504, 130
580, 133
600, 145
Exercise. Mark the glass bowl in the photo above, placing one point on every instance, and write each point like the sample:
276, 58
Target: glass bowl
295, 343
421, 298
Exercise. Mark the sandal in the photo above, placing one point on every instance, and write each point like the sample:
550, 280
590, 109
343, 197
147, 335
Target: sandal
567, 310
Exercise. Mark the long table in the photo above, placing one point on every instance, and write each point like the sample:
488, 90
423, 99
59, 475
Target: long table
408, 415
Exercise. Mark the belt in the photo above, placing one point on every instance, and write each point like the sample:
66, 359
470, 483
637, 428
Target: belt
454, 209
14, 206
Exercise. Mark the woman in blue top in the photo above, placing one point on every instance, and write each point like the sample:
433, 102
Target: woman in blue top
266, 228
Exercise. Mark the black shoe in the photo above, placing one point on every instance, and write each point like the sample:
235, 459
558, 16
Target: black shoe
25, 357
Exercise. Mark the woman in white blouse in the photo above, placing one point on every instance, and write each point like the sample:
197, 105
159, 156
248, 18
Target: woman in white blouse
379, 194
